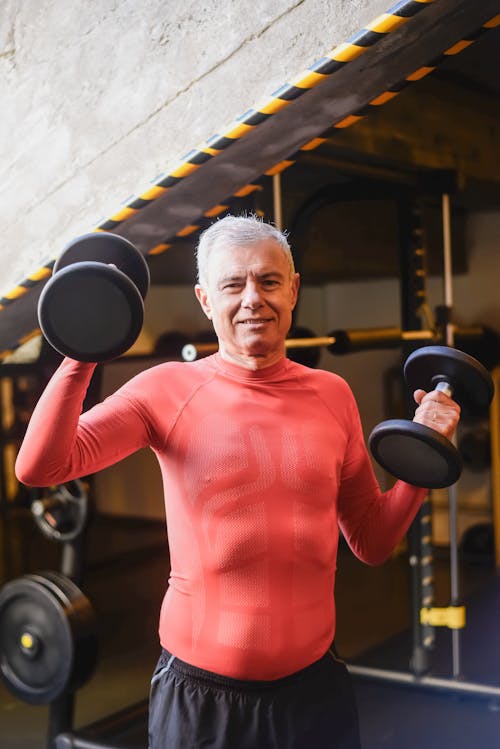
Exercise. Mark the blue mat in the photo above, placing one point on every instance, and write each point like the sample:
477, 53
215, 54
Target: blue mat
408, 718
394, 716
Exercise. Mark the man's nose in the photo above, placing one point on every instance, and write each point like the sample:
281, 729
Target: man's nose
251, 295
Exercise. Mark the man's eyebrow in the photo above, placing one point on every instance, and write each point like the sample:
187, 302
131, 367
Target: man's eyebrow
232, 277
272, 274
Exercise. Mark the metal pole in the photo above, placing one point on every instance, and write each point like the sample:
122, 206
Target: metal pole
447, 263
72, 560
428, 682
452, 490
60, 717
277, 201
413, 297
495, 464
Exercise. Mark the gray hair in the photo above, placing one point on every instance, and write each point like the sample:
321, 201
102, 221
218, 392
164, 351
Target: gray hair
237, 231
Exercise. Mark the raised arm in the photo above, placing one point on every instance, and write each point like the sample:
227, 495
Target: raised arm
374, 522
61, 443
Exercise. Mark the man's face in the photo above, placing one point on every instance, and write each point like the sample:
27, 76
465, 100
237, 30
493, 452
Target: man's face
249, 298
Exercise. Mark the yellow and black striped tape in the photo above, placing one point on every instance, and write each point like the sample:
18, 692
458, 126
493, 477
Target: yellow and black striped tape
11, 349
410, 8
26, 284
204, 220
418, 74
378, 101
336, 59
389, 94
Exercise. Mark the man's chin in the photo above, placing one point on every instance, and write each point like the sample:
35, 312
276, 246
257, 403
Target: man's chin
262, 349
258, 344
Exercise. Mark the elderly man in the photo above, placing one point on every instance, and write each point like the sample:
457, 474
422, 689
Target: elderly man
263, 460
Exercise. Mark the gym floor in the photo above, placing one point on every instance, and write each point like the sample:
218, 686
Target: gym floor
126, 572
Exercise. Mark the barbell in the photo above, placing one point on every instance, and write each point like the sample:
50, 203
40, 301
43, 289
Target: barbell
336, 342
340, 342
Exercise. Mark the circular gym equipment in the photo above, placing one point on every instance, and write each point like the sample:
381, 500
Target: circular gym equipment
48, 640
92, 309
416, 453
61, 512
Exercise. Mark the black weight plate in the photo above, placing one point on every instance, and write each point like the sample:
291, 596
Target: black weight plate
82, 619
416, 454
90, 312
471, 382
51, 608
103, 247
27, 606
310, 355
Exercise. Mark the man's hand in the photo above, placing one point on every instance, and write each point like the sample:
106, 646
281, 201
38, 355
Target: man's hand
437, 411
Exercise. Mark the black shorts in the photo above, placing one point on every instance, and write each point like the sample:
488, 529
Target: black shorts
191, 708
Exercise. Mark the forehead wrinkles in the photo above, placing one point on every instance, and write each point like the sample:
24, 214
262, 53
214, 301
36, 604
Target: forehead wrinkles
259, 274
242, 260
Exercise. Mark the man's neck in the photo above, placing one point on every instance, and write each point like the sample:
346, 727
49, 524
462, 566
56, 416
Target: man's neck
251, 361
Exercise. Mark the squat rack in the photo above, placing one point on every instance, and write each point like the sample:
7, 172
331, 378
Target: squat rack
420, 537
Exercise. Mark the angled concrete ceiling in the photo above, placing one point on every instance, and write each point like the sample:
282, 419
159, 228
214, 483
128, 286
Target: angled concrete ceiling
413, 39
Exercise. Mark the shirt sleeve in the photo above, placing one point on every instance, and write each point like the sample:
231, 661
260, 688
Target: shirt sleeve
62, 444
372, 522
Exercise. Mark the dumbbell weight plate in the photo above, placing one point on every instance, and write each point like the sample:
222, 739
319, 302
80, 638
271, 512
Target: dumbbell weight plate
471, 382
90, 312
92, 308
110, 249
415, 453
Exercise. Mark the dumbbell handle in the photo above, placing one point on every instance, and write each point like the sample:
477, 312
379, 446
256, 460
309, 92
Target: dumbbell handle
444, 386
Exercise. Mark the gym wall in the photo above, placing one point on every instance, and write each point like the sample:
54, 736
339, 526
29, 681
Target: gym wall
99, 97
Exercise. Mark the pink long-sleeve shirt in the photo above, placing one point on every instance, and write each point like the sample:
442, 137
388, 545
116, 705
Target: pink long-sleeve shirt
260, 469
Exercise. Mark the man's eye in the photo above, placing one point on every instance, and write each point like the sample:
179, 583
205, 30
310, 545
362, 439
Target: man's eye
270, 283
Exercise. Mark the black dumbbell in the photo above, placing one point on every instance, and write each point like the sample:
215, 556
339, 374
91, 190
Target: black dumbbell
415, 453
92, 309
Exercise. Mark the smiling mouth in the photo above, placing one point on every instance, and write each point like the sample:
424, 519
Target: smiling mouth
259, 321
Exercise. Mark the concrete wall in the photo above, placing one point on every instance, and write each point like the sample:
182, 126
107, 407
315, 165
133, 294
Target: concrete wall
100, 96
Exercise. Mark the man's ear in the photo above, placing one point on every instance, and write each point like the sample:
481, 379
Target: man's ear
202, 297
